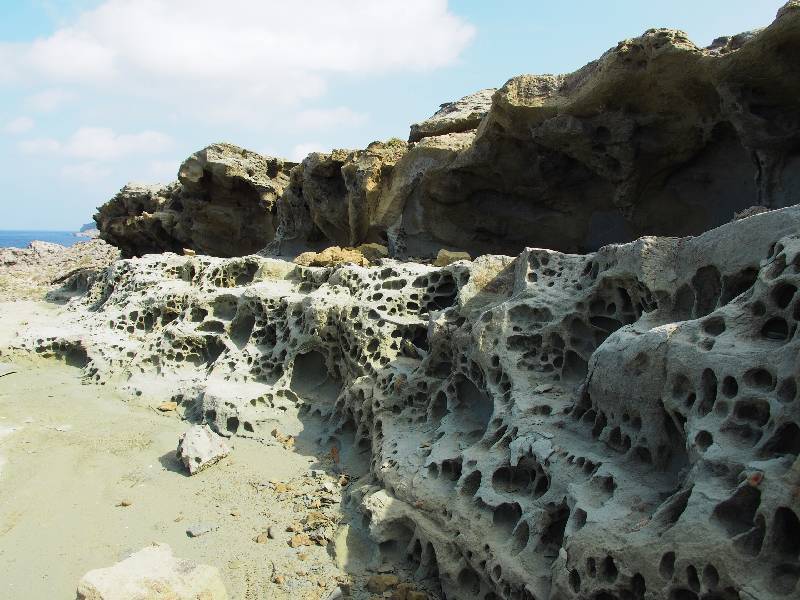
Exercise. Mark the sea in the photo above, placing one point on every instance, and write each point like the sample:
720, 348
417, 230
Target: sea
21, 239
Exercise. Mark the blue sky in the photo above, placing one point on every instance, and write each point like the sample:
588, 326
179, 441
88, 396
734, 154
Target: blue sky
95, 93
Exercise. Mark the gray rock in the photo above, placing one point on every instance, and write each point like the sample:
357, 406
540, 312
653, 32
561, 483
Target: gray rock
199, 529
671, 361
199, 447
455, 117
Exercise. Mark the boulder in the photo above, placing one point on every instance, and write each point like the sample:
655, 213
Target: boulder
455, 117
224, 204
199, 447
153, 573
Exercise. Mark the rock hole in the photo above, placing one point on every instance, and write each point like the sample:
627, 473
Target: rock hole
775, 329
736, 514
760, 379
667, 565
785, 440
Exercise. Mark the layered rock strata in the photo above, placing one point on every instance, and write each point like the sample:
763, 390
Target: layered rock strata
623, 424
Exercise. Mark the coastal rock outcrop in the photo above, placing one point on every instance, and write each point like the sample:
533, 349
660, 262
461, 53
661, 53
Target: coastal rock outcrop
620, 424
29, 273
656, 137
223, 204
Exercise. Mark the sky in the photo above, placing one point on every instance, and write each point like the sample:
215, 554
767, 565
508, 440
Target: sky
97, 93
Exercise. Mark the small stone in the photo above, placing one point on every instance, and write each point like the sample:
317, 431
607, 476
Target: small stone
200, 529
124, 503
279, 579
377, 584
167, 406
544, 387
336, 594
300, 539
373, 252
261, 538
189, 252
445, 257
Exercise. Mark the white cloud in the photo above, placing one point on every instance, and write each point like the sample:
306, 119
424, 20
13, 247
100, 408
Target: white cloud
239, 62
19, 125
40, 146
300, 151
49, 100
327, 118
163, 171
86, 172
99, 144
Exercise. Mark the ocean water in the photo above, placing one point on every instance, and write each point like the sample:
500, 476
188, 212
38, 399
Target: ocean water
21, 239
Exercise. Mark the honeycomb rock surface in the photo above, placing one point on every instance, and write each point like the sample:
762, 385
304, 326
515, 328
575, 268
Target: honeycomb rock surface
223, 204
623, 424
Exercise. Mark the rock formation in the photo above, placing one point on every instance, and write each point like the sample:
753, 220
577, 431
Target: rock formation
656, 137
27, 273
455, 117
623, 424
222, 204
617, 424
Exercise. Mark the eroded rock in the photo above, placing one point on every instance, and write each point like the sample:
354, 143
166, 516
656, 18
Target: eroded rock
199, 448
224, 204
152, 572
462, 115
656, 137
573, 425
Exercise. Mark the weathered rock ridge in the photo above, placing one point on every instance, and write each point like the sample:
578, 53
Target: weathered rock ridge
223, 204
656, 137
618, 425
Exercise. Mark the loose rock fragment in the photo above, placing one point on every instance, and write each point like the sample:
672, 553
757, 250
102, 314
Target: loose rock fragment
377, 584
199, 448
445, 257
200, 529
153, 572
